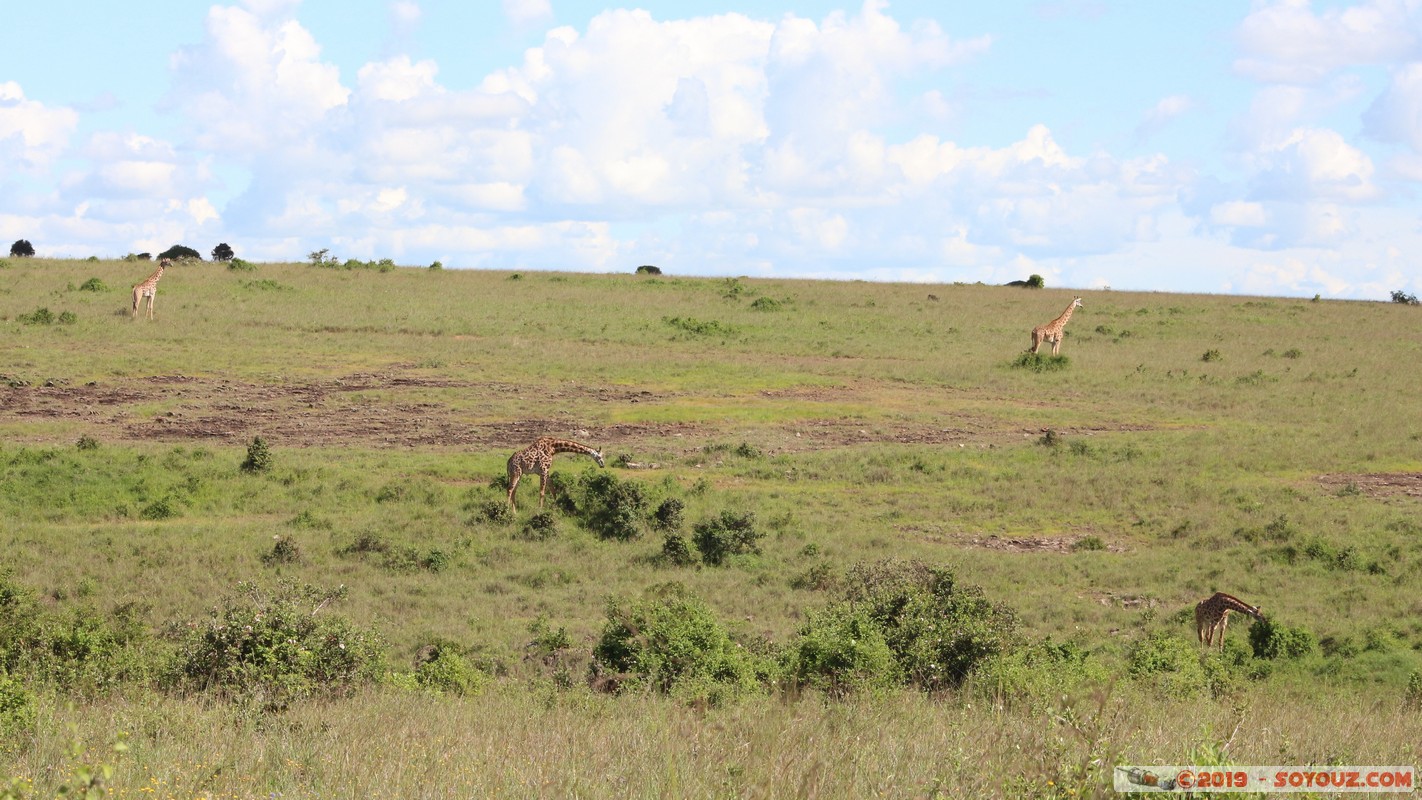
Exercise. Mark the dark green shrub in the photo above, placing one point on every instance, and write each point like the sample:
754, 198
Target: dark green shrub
841, 650
259, 456
1412, 697
22, 249
87, 442
1272, 641
1039, 362
1088, 543
766, 304
436, 266
648, 269
540, 526
669, 515
223, 252
1398, 296
1212, 355
671, 638
93, 285
937, 629
726, 535
698, 327
676, 552
163, 508
241, 265
606, 505
40, 316
496, 511
284, 550
179, 252
274, 646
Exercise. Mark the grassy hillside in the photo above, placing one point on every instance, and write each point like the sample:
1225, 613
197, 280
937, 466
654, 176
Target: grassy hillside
1270, 448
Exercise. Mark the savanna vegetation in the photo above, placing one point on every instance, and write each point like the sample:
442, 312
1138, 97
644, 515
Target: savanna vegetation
849, 541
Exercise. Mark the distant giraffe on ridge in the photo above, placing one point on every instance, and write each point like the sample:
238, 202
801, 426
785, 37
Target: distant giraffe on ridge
149, 288
1052, 331
1212, 616
538, 457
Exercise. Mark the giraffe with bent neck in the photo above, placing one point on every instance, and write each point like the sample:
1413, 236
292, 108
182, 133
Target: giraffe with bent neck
1212, 616
538, 457
1052, 331
149, 288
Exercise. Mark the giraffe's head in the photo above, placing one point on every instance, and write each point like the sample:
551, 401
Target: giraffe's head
597, 456
1076, 303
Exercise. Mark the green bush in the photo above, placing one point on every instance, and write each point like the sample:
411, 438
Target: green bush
445, 671
841, 650
937, 629
275, 646
676, 552
40, 316
670, 638
241, 265
1043, 671
1168, 663
93, 285
17, 709
1272, 641
284, 550
668, 516
1039, 362
540, 526
606, 505
259, 456
726, 535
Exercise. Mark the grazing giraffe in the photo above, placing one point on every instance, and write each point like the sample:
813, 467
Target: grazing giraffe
149, 288
538, 457
1052, 331
1212, 616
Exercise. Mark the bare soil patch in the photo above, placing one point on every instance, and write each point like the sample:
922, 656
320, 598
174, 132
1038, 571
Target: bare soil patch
399, 409
1375, 484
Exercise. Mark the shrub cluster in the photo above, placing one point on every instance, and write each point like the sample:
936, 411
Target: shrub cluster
896, 623
273, 647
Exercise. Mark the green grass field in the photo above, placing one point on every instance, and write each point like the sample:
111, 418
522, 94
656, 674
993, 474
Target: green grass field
1185, 444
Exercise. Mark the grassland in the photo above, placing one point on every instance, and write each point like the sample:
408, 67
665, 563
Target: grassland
1266, 447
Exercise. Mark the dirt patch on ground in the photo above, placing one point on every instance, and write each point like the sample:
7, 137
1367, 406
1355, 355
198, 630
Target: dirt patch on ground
399, 408
1046, 544
1375, 484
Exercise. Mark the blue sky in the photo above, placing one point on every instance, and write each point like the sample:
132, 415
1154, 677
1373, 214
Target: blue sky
1252, 148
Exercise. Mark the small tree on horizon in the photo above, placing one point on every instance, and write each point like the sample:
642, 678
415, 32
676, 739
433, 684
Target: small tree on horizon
1404, 298
222, 252
178, 252
22, 248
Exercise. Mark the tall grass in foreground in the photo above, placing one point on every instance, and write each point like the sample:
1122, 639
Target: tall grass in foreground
543, 743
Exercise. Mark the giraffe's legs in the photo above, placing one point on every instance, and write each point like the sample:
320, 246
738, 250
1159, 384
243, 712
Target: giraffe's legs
1056, 346
151, 298
514, 475
542, 487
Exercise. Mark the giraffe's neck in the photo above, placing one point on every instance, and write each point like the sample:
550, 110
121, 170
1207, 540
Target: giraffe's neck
570, 446
1233, 603
1066, 315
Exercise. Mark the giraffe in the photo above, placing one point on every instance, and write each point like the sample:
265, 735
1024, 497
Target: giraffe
149, 288
1052, 331
538, 457
1212, 616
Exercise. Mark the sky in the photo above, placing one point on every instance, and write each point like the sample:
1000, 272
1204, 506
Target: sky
1260, 148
